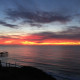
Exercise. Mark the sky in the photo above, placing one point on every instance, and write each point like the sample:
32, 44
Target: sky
39, 22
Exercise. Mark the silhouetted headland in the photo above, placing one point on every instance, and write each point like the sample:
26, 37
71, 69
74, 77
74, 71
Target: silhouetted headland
23, 73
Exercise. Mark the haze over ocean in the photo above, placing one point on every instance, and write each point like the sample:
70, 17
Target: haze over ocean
61, 61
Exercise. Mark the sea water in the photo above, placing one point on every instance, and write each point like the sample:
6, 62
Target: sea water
62, 62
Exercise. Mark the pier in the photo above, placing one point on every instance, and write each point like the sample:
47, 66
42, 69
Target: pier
9, 64
4, 54
15, 72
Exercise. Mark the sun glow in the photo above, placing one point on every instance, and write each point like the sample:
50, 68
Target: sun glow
27, 43
15, 42
61, 43
8, 42
37, 41
47, 43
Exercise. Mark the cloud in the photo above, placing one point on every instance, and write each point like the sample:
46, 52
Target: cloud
4, 37
36, 17
72, 33
7, 24
36, 24
71, 30
10, 40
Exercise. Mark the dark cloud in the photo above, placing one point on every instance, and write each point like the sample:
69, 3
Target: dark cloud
72, 33
4, 37
36, 17
10, 37
71, 30
7, 24
36, 13
36, 24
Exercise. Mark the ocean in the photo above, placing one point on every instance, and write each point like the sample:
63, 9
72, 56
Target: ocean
62, 62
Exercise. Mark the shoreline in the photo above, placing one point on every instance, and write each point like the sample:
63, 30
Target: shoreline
23, 73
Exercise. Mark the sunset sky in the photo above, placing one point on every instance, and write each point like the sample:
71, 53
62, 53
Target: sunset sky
39, 22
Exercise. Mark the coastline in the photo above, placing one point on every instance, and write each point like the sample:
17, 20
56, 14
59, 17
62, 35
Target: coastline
23, 73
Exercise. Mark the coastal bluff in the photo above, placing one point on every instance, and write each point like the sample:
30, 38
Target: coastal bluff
23, 73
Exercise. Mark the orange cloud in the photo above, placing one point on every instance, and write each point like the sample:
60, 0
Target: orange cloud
39, 39
19, 42
46, 42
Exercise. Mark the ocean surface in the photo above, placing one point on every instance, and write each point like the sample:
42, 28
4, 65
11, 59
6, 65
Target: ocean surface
62, 62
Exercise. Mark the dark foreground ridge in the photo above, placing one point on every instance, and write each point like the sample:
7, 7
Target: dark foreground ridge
23, 73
